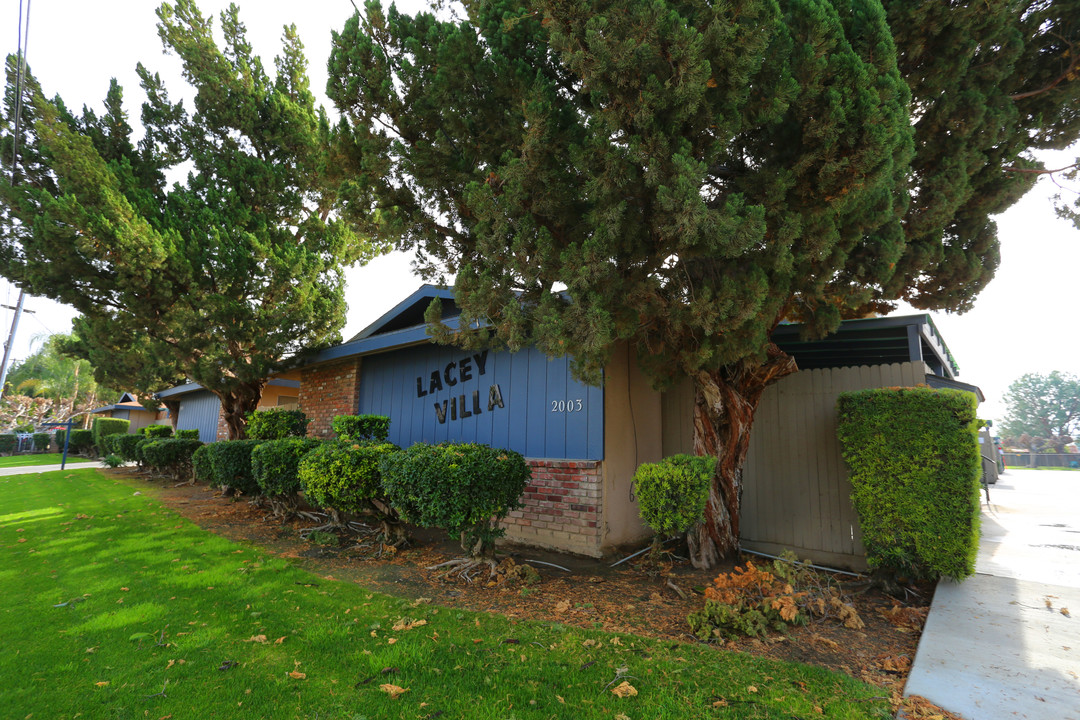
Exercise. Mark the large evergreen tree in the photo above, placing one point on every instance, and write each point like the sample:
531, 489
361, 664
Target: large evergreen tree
695, 172
219, 277
1044, 406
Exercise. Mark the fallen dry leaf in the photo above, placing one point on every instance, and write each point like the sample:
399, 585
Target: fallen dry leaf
403, 625
752, 688
394, 691
560, 607
103, 683
624, 690
295, 675
1065, 612
391, 641
256, 639
279, 640
620, 716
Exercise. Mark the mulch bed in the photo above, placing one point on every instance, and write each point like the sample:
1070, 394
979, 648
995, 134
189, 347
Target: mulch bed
632, 598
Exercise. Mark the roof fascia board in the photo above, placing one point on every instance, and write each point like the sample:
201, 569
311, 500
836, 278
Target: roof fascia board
416, 335
426, 290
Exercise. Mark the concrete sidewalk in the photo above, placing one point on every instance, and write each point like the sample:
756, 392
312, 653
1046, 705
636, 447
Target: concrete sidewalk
30, 469
1005, 643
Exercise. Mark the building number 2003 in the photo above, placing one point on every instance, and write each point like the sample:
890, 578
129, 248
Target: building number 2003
566, 406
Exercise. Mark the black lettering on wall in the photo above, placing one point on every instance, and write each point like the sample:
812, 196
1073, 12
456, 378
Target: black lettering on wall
475, 402
420, 391
494, 397
451, 381
440, 412
481, 362
465, 368
436, 382
461, 404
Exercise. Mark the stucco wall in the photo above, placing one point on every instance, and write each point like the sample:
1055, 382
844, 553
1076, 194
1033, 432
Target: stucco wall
632, 435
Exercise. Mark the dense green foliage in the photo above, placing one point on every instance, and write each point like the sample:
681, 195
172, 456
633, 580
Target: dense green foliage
672, 493
125, 446
189, 434
169, 455
201, 464
276, 424
915, 468
344, 475
464, 488
361, 427
80, 441
275, 464
8, 443
230, 464
103, 426
156, 431
222, 272
42, 441
1045, 408
243, 590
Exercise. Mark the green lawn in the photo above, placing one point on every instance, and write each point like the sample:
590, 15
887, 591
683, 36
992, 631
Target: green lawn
116, 607
42, 459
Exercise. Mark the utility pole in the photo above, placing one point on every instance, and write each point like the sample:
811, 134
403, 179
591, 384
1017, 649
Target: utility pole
24, 38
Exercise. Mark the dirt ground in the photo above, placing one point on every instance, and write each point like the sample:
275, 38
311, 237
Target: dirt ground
633, 597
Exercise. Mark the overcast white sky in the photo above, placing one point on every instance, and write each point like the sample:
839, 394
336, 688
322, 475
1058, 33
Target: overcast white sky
1024, 322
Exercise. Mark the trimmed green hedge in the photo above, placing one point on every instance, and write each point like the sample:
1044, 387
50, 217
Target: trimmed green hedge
275, 464
914, 459
672, 493
8, 442
230, 463
169, 455
464, 488
344, 476
201, 465
156, 431
108, 426
124, 446
190, 434
276, 424
361, 427
42, 441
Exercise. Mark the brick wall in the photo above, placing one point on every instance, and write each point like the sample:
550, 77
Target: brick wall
562, 507
329, 390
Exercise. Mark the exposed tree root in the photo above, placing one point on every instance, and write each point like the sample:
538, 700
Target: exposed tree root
467, 568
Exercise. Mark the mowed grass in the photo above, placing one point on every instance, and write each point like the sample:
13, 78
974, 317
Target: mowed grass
41, 459
116, 607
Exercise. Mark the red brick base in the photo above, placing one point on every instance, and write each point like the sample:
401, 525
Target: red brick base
562, 507
327, 391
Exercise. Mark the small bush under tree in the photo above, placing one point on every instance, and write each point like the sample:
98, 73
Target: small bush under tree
8, 442
275, 465
81, 441
201, 467
189, 434
361, 427
915, 468
672, 493
464, 488
125, 446
276, 424
345, 477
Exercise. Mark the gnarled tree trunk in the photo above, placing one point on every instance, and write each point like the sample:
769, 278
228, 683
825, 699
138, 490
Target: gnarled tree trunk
236, 403
724, 404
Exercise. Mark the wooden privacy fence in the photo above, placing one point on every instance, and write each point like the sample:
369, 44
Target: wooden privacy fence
1064, 460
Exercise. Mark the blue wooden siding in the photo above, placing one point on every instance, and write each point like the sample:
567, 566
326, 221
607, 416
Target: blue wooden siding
122, 414
199, 411
545, 412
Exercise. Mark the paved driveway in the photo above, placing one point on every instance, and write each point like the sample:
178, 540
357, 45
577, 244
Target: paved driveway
1005, 643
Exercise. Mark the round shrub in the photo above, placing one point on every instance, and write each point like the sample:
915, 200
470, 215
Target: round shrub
463, 488
276, 424
201, 465
113, 460
230, 462
80, 441
42, 441
275, 464
102, 427
344, 476
672, 493
361, 427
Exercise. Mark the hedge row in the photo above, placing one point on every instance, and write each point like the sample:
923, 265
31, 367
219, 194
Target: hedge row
914, 459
